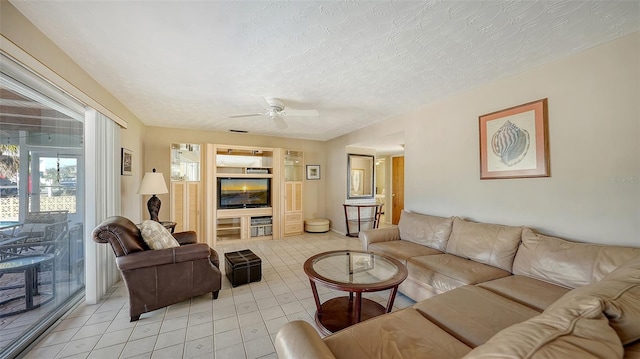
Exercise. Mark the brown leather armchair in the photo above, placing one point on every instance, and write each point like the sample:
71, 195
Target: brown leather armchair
161, 277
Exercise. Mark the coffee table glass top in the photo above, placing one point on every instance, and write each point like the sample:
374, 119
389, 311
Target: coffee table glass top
353, 267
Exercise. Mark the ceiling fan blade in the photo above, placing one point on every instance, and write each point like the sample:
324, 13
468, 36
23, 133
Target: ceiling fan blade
247, 115
279, 121
301, 113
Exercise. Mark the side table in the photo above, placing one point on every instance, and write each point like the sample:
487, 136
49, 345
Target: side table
171, 226
367, 216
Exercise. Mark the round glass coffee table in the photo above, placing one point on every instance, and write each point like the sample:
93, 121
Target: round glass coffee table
354, 272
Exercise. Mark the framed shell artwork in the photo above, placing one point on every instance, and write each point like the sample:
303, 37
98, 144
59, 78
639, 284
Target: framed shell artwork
514, 142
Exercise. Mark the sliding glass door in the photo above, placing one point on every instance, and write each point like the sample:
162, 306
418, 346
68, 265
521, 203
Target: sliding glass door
41, 205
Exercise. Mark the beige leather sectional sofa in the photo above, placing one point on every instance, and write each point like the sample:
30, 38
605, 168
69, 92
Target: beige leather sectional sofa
491, 291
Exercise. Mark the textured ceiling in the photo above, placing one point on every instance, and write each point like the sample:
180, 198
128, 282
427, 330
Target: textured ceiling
192, 64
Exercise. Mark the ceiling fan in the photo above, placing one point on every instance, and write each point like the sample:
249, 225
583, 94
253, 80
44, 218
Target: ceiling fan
274, 108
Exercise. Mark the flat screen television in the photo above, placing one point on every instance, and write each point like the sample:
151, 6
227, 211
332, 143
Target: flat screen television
244, 192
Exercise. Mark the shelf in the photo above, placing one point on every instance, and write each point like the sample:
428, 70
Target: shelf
244, 175
228, 237
227, 227
244, 212
355, 220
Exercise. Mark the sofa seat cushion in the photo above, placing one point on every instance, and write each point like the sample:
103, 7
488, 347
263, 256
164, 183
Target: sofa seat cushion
430, 231
492, 244
473, 314
533, 293
445, 272
632, 351
402, 250
401, 334
582, 332
566, 263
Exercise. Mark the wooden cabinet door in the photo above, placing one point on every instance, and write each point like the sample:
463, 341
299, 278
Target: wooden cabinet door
192, 199
185, 205
293, 218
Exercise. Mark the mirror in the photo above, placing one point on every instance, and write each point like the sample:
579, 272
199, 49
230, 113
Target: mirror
360, 174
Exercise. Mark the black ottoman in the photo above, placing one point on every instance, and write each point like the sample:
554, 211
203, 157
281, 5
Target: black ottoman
243, 267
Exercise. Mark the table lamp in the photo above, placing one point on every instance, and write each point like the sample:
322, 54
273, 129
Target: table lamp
153, 183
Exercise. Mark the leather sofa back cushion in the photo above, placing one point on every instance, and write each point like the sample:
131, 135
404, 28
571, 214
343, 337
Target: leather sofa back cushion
430, 231
491, 244
566, 263
619, 293
557, 335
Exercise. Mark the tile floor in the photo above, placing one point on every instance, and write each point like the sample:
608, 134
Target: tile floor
241, 323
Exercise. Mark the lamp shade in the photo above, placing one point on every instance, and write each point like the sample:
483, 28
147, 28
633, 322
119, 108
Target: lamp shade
153, 183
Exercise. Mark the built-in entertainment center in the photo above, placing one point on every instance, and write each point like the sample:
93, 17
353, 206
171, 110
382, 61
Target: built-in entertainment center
236, 193
244, 186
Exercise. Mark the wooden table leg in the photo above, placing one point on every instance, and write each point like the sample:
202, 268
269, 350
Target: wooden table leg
358, 306
314, 290
392, 298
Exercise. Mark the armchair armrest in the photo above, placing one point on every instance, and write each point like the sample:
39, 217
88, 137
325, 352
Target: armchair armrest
188, 237
370, 236
152, 258
298, 339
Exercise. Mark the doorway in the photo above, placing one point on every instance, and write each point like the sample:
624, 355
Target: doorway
397, 188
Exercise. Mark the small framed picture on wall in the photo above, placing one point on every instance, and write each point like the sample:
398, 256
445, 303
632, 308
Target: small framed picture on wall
127, 162
313, 172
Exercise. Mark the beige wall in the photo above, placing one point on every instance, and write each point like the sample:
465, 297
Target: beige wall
593, 193
157, 155
133, 205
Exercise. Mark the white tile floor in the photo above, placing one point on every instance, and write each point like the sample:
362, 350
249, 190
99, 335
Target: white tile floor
241, 323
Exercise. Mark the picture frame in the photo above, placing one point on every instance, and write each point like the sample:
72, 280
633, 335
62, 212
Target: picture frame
514, 142
126, 161
313, 172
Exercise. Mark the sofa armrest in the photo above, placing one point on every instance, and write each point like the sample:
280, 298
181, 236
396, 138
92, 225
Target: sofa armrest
298, 339
370, 236
157, 257
188, 237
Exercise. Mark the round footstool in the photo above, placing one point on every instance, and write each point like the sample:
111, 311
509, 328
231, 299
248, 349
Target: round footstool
318, 225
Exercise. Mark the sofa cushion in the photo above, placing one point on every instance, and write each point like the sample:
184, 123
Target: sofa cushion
620, 295
430, 231
491, 244
473, 314
444, 272
401, 250
401, 334
566, 263
582, 334
531, 292
156, 236
632, 351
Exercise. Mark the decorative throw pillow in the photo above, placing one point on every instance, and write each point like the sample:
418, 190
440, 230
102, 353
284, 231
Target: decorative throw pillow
156, 236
